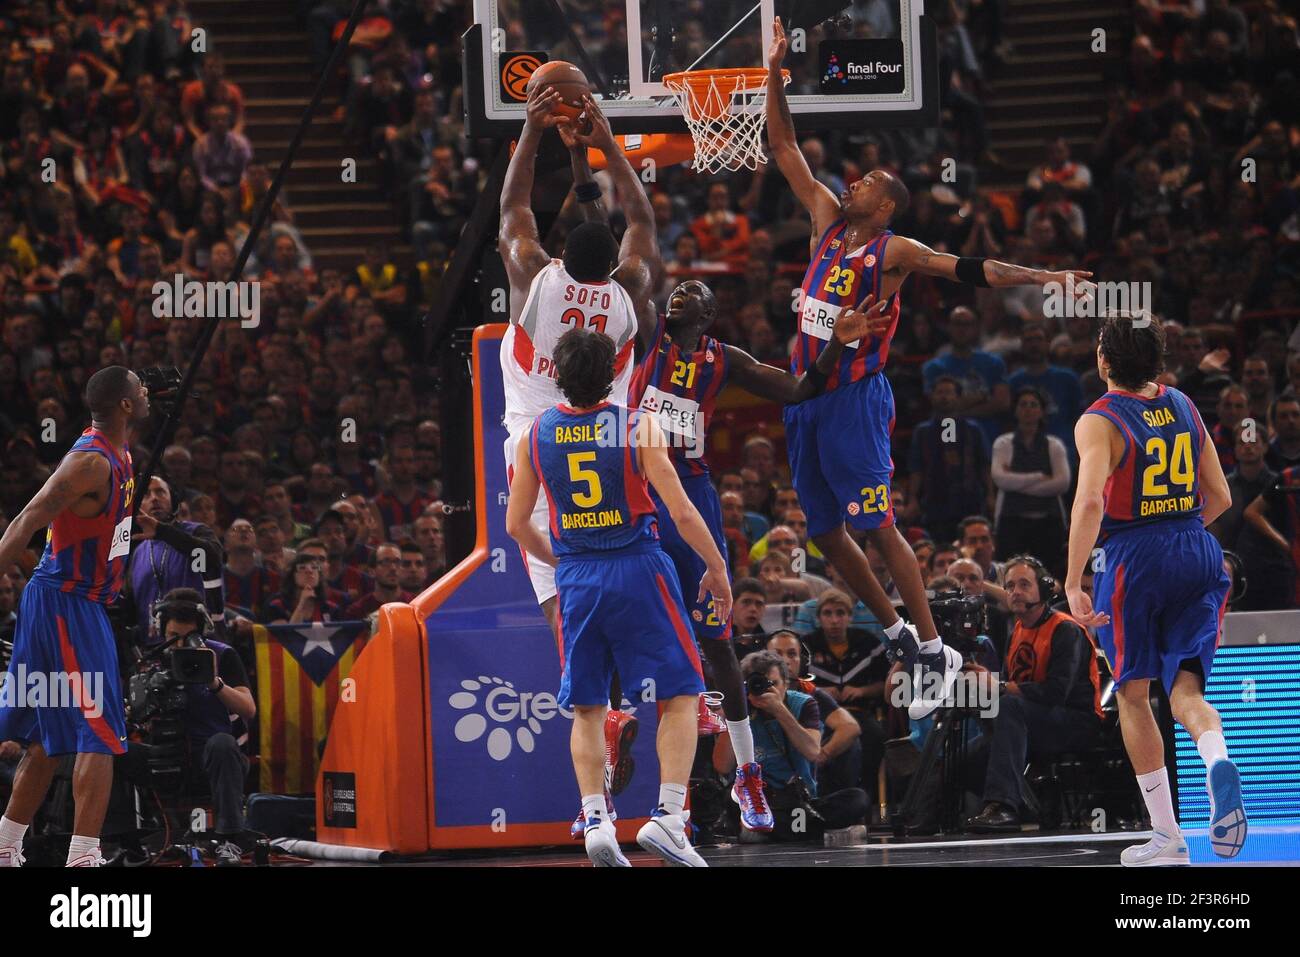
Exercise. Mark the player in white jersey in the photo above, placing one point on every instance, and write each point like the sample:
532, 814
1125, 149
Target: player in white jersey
598, 284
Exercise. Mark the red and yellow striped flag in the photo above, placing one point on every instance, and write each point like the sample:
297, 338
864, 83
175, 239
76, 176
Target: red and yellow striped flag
300, 671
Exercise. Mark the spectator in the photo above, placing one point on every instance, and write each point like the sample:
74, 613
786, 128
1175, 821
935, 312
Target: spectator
1059, 385
780, 582
221, 155
415, 576
1049, 703
749, 602
984, 395
976, 541
385, 571
722, 234
1031, 471
1257, 381
1275, 575
1232, 409
1246, 482
200, 97
302, 595
949, 462
348, 579
249, 584
839, 764
787, 730
1284, 419
429, 536
733, 530
276, 555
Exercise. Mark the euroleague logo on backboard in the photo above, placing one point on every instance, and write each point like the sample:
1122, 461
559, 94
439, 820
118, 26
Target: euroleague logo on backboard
516, 70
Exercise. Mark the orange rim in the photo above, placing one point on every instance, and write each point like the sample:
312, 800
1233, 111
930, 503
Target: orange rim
711, 90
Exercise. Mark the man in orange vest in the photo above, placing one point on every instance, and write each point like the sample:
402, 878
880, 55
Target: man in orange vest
1051, 699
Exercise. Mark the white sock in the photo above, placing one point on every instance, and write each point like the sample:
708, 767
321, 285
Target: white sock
1155, 792
672, 798
931, 647
894, 631
1212, 747
12, 833
81, 846
742, 740
593, 806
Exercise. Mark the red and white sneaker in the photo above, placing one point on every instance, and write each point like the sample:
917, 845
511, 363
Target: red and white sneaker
711, 722
11, 857
620, 732
92, 859
579, 825
748, 792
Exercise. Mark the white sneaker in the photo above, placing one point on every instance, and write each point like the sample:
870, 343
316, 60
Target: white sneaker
602, 846
1171, 853
933, 679
93, 859
665, 835
11, 857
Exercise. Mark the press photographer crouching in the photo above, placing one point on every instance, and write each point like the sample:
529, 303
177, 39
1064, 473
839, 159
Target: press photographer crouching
787, 730
213, 691
1050, 701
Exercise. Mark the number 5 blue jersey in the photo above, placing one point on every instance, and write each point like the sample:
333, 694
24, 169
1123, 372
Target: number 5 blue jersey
1156, 478
587, 465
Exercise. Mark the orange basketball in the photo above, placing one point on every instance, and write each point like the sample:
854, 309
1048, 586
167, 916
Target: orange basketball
566, 78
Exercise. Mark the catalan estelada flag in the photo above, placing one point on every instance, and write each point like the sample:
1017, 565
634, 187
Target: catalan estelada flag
300, 669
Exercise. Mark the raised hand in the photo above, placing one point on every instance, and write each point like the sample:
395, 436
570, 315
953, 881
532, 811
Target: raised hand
776, 52
869, 320
540, 106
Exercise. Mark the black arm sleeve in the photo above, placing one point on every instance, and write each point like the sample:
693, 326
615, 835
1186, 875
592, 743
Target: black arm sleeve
231, 668
205, 539
1067, 671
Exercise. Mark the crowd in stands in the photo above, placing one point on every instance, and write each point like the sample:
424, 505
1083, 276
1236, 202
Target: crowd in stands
125, 163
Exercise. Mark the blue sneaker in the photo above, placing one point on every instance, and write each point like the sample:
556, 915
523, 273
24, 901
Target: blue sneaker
755, 815
1227, 810
932, 681
904, 647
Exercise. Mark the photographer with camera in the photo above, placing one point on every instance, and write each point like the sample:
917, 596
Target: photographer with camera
1050, 701
215, 764
171, 553
787, 730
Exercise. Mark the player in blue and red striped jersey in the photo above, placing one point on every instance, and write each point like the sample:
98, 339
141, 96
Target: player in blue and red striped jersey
839, 441
63, 634
679, 380
619, 604
1150, 482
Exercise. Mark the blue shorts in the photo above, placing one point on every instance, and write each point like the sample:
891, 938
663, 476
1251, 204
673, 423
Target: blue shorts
690, 567
624, 611
62, 687
1165, 590
839, 455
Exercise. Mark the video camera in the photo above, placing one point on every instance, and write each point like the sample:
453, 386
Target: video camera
157, 696
959, 619
164, 385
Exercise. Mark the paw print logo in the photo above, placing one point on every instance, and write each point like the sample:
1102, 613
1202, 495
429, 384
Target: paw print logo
854, 508
501, 702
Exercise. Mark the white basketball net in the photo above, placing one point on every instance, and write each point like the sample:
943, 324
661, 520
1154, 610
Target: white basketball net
726, 116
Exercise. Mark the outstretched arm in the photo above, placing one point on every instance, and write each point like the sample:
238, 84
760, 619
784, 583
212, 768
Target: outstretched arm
769, 382
903, 256
592, 209
519, 243
821, 203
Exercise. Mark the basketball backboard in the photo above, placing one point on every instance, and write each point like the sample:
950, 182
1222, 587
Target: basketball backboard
853, 63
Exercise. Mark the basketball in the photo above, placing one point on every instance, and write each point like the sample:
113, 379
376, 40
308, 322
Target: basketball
566, 78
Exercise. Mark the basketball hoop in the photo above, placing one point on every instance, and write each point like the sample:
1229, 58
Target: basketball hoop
724, 111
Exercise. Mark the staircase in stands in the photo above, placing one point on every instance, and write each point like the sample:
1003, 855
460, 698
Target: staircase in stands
1051, 82
266, 54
